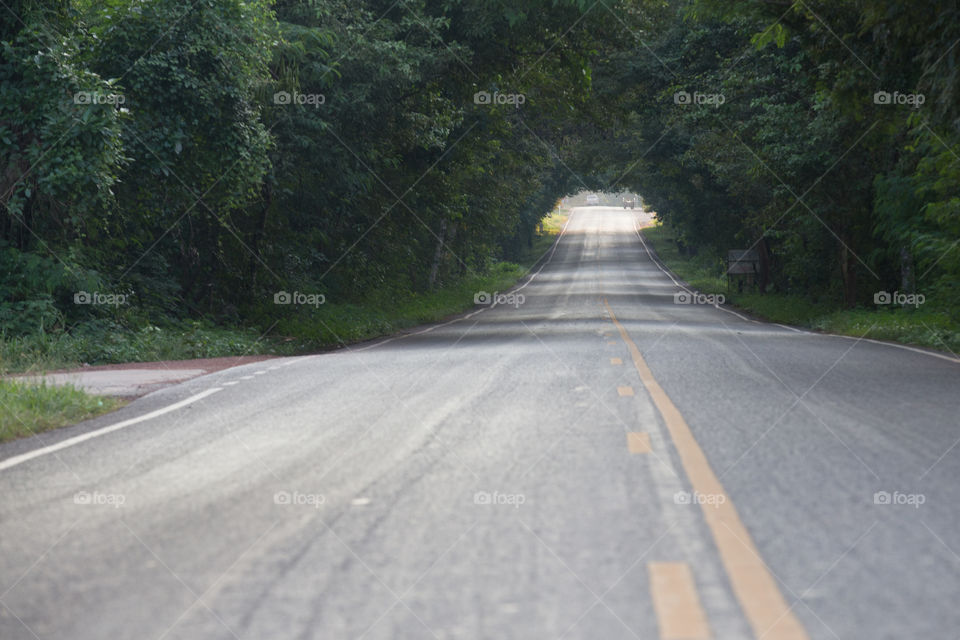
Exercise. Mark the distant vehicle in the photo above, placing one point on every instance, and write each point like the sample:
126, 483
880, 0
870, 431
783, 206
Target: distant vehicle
593, 199
629, 203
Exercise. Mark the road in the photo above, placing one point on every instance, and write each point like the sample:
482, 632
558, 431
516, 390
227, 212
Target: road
592, 460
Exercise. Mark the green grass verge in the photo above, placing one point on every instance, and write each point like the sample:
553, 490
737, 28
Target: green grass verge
300, 330
926, 326
27, 408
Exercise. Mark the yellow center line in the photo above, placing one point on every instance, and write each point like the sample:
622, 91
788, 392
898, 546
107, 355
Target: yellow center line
638, 442
676, 603
753, 584
616, 361
625, 391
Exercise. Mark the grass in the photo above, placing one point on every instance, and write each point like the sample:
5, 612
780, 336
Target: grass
926, 326
29, 408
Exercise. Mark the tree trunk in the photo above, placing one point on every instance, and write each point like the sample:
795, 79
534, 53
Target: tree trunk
849, 272
437, 255
763, 278
259, 232
908, 282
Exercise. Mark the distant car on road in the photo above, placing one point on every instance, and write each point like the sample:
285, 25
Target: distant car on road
593, 199
629, 203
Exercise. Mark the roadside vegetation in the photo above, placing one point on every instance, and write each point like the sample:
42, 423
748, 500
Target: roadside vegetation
923, 326
307, 330
29, 408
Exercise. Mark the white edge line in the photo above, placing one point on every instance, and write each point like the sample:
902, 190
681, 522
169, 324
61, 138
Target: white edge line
69, 442
794, 329
897, 346
811, 333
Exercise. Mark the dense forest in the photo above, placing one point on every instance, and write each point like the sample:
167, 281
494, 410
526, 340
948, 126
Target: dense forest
186, 159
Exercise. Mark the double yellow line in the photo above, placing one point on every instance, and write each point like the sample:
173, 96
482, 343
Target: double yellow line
753, 584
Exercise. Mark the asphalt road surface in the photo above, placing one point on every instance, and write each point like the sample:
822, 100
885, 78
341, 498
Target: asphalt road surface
595, 459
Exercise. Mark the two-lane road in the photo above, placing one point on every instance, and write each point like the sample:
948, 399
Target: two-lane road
590, 460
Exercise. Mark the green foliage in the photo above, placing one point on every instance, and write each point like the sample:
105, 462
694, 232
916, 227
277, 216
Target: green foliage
190, 74
28, 290
60, 145
32, 408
